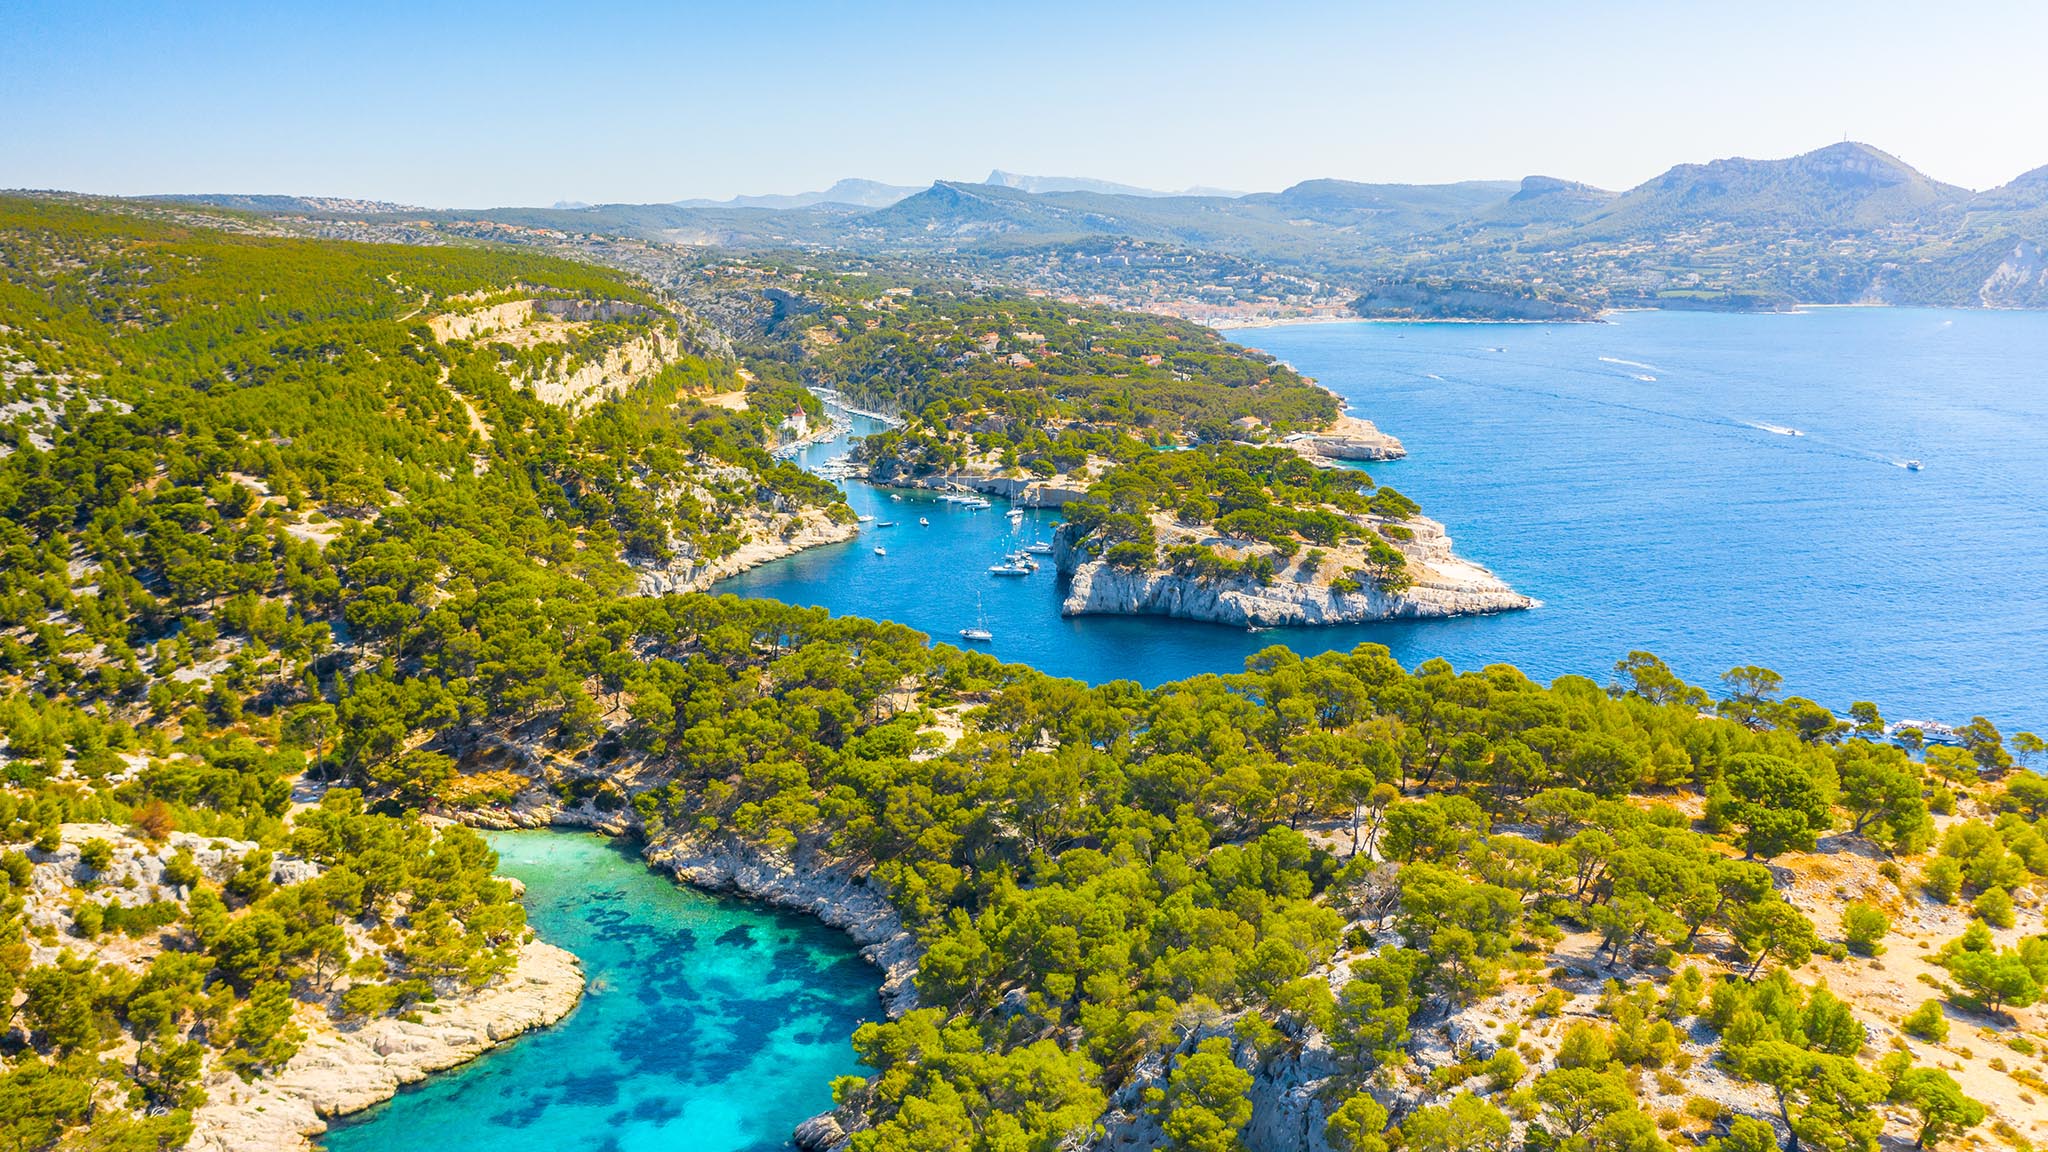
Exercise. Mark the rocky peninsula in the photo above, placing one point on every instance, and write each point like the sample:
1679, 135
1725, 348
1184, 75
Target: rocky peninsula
1442, 584
1349, 438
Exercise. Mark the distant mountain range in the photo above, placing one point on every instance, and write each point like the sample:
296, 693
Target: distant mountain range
851, 193
1844, 224
1002, 179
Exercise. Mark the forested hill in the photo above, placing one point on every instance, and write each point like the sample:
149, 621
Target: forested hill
262, 497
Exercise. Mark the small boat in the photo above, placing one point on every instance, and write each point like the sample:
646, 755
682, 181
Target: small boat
1038, 548
1007, 569
894, 496
923, 523
864, 518
1016, 514
881, 551
885, 524
980, 630
975, 503
1912, 465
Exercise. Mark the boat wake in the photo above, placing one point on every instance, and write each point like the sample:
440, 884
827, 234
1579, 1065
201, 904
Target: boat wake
1773, 429
1638, 364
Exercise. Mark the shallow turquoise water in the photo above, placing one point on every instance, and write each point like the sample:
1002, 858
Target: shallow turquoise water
1628, 475
707, 1023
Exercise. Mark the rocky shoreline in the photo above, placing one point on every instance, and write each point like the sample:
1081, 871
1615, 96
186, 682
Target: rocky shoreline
339, 1071
807, 880
1444, 585
810, 882
811, 527
1021, 492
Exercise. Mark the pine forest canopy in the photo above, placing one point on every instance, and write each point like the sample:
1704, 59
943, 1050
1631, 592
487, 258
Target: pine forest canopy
257, 538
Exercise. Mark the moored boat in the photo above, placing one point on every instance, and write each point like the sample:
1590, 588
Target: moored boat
980, 630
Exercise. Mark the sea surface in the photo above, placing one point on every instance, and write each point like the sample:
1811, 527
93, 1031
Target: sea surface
1717, 489
707, 1024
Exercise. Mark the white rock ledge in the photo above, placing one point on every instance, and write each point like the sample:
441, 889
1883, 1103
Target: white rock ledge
337, 1072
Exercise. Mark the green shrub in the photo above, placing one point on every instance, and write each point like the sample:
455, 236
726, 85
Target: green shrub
1942, 879
1927, 1022
1994, 907
1863, 925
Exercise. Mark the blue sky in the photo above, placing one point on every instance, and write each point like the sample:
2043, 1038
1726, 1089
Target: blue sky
517, 103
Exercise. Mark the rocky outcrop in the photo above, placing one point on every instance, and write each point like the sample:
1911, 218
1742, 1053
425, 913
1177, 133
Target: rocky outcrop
2019, 281
1444, 585
338, 1071
1350, 439
810, 881
1017, 490
1289, 1108
687, 572
622, 366
134, 875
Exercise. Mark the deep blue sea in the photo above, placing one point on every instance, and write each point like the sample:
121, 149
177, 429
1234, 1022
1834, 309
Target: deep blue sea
707, 1023
1639, 477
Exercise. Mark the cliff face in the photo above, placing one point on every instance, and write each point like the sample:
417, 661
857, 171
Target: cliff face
620, 368
1444, 585
1351, 439
805, 880
530, 323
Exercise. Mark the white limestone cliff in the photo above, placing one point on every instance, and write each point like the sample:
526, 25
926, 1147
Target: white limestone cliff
1444, 585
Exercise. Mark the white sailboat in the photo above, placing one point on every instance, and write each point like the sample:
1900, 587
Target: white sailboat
980, 630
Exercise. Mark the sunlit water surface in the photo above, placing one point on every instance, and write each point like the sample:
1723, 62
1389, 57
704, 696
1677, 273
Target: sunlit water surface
1641, 479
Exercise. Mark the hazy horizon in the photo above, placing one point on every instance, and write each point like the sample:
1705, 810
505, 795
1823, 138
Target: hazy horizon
529, 105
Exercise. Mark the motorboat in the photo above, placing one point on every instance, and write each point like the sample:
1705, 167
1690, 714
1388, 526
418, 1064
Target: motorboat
1912, 465
923, 523
864, 518
1008, 569
1931, 731
1038, 548
881, 551
885, 524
